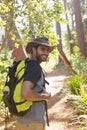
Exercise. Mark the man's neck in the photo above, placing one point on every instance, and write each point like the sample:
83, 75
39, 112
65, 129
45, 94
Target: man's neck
33, 58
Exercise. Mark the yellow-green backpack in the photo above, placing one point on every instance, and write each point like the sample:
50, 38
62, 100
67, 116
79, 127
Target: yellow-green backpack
12, 89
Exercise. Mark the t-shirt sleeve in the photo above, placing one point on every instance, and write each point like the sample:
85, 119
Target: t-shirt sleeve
33, 72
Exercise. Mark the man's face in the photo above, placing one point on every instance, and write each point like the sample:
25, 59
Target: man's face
42, 53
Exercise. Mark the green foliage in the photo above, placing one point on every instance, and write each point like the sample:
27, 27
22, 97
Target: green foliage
85, 29
67, 42
80, 101
78, 83
80, 114
39, 17
2, 81
79, 63
5, 61
32, 18
80, 105
73, 83
4, 8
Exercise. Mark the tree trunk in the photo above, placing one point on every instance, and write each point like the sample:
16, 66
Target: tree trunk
79, 27
65, 60
58, 31
60, 50
68, 28
12, 37
18, 52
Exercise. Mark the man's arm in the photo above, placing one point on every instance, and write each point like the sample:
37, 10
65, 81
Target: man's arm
29, 94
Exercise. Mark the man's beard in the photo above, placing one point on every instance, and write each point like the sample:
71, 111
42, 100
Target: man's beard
40, 58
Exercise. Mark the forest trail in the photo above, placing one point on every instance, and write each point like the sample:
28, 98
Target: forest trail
59, 112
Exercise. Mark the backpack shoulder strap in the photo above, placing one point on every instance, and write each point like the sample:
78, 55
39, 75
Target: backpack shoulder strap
21, 69
44, 73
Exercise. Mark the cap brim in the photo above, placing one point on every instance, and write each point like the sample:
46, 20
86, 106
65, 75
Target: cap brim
35, 44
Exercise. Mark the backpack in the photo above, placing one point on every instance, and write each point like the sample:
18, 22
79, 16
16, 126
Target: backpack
12, 89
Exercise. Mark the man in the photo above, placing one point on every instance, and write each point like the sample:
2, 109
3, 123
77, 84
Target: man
33, 88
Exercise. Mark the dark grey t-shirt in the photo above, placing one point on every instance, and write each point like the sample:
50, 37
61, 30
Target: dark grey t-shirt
37, 111
33, 72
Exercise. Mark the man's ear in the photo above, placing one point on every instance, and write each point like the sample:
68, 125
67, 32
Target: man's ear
33, 49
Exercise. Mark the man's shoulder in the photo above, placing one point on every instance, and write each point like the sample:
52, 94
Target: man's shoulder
32, 64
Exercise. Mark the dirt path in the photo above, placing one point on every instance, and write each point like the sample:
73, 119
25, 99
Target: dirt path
59, 112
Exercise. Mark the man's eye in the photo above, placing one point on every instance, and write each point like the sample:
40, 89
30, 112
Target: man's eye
43, 49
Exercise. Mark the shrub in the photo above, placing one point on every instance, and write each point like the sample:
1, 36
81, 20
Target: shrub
73, 83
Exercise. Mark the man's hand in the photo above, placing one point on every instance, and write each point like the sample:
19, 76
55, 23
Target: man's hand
46, 95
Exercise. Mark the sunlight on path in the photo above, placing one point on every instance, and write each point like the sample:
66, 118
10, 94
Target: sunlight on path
56, 126
55, 84
57, 111
2, 127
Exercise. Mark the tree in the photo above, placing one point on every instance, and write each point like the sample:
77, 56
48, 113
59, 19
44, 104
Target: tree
11, 33
36, 20
58, 32
60, 50
68, 27
79, 27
